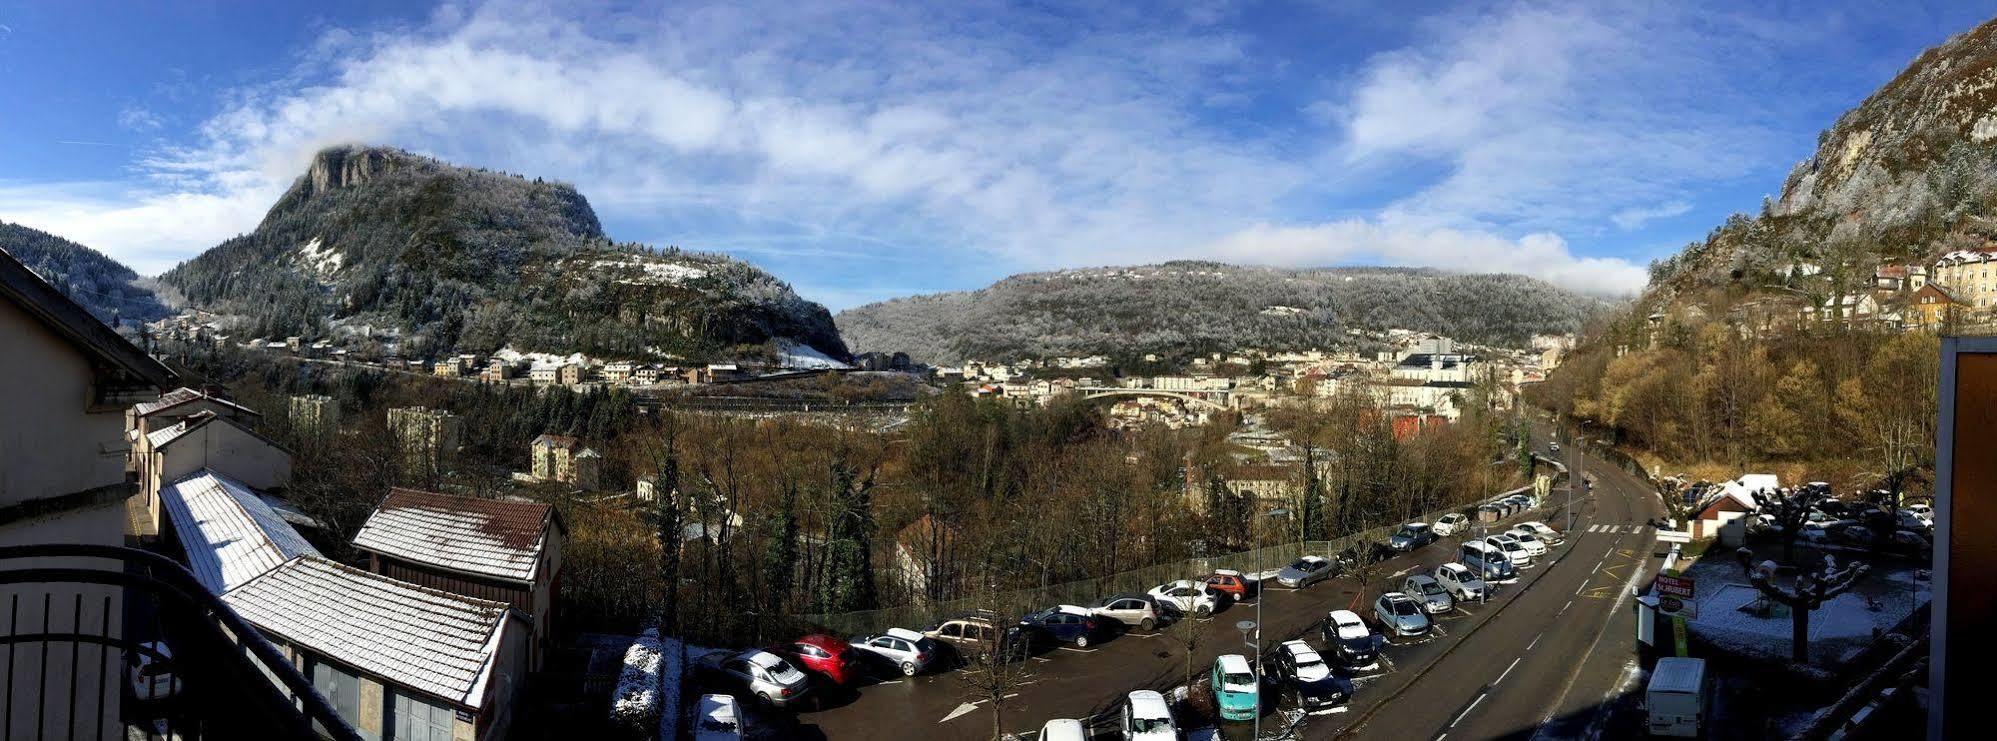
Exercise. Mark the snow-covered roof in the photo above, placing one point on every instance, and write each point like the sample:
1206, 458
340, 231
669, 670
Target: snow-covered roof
185, 395
230, 533
488, 537
416, 637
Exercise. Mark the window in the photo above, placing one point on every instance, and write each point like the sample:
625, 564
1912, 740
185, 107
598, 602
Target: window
342, 691
952, 630
419, 720
812, 651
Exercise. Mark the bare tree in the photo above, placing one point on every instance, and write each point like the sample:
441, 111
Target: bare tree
1790, 509
1810, 591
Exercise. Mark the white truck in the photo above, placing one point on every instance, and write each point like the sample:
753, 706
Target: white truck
1676, 697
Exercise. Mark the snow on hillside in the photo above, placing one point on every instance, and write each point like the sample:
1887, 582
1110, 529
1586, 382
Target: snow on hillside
800, 356
656, 271
324, 261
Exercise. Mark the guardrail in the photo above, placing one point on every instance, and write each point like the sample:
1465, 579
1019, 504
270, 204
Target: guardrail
110, 642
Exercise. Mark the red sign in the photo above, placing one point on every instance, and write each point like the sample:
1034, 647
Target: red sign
1676, 586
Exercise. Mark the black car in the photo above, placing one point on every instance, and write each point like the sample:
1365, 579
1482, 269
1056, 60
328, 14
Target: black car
1309, 680
1348, 640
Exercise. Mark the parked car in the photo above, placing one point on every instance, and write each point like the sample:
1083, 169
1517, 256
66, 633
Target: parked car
152, 676
1133, 610
1912, 520
1487, 561
1233, 583
1529, 539
1553, 447
904, 649
1852, 535
1923, 511
716, 718
1235, 688
1460, 581
1451, 524
1400, 614
1146, 717
1816, 532
973, 634
1310, 681
1411, 536
1350, 641
1306, 571
762, 674
1188, 597
826, 656
1065, 623
1064, 729
1511, 548
1429, 592
1544, 532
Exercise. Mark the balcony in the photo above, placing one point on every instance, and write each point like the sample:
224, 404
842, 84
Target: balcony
102, 642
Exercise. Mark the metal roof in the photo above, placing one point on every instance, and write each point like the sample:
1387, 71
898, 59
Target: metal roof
231, 534
487, 537
419, 638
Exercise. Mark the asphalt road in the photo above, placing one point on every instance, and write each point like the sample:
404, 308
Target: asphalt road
1541, 652
1542, 666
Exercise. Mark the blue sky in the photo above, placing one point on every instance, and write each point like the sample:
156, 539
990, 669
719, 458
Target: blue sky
868, 150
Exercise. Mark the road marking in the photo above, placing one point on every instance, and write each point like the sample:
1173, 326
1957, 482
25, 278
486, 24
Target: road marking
1535, 641
962, 710
1466, 711
1563, 608
1507, 672
1042, 659
1598, 566
1577, 590
883, 684
1077, 650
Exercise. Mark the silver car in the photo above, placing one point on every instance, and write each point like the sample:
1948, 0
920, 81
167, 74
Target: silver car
1426, 590
1461, 582
1400, 614
763, 674
1306, 571
1133, 610
907, 650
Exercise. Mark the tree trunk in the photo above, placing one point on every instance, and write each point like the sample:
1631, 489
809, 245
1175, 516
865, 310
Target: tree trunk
1799, 633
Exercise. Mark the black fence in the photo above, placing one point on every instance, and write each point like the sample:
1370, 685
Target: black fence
102, 642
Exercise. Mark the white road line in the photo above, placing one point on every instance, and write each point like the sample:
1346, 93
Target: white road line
1535, 641
1507, 672
1563, 608
1577, 590
1077, 650
1598, 566
1466, 711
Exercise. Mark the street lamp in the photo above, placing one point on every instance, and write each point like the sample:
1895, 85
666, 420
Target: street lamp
1262, 575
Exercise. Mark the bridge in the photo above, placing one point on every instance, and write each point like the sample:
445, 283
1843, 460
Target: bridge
1213, 399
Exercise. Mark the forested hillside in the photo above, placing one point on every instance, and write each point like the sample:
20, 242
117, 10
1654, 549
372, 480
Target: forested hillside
1181, 308
460, 259
1785, 339
111, 291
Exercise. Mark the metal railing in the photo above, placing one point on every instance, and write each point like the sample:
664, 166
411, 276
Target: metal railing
103, 642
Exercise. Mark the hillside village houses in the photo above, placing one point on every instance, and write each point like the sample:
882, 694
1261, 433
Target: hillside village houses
428, 438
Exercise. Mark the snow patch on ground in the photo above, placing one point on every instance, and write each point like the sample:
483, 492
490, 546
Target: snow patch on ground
800, 356
323, 260
656, 272
637, 704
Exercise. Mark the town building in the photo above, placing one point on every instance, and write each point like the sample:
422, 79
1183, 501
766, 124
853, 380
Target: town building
1970, 276
428, 438
1933, 308
204, 441
64, 389
315, 415
543, 374
646, 375
490, 549
572, 374
619, 372
564, 459
395, 659
498, 371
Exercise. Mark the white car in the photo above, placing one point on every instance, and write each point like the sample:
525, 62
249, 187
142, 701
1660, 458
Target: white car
717, 718
1190, 597
1146, 717
1451, 524
907, 650
1545, 533
1460, 581
152, 678
1528, 538
1514, 550
1064, 729
1351, 642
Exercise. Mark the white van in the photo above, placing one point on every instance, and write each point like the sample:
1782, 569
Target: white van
1487, 562
1677, 697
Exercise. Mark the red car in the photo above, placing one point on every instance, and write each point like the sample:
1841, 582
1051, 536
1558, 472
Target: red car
826, 656
1232, 583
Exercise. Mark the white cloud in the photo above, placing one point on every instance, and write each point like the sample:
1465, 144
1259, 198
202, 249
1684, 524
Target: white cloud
139, 118
1636, 216
1541, 254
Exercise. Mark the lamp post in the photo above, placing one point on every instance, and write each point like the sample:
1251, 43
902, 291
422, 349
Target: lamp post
1262, 574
